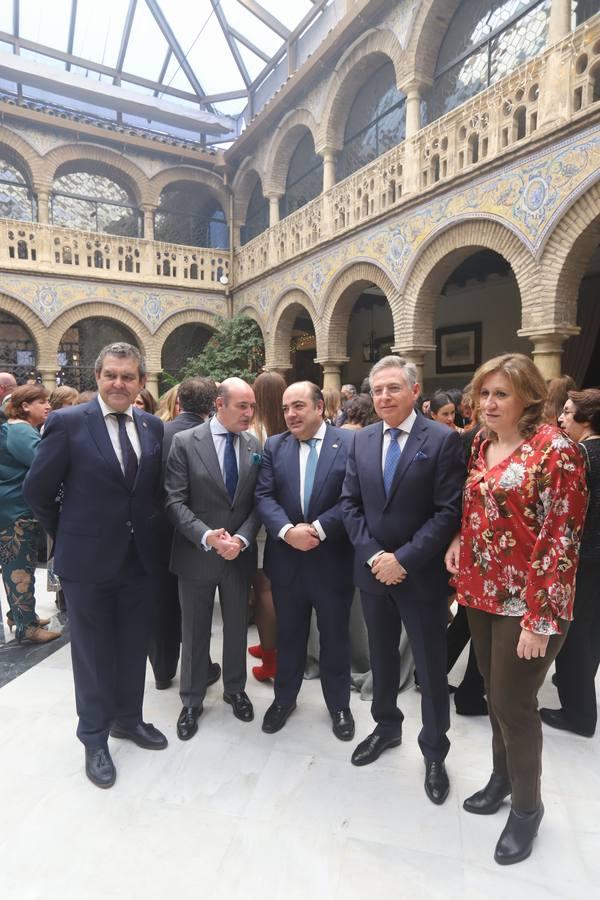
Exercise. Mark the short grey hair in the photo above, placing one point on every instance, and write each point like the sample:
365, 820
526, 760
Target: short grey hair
396, 362
123, 351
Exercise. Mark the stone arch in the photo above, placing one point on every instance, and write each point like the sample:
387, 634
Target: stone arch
19, 150
285, 140
29, 320
349, 75
426, 35
565, 255
243, 185
209, 180
252, 313
440, 255
341, 297
88, 310
106, 162
284, 314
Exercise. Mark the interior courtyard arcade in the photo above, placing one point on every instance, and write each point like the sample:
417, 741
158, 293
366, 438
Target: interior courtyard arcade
392, 196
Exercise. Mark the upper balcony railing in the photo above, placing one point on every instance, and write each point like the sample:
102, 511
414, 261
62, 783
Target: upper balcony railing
490, 124
31, 246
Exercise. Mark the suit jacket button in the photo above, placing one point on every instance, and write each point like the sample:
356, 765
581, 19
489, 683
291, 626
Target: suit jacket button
128, 524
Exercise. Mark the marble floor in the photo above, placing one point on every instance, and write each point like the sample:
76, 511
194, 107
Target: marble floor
236, 813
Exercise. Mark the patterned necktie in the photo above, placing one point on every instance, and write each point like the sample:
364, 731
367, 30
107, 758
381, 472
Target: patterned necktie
130, 460
391, 459
309, 473
230, 465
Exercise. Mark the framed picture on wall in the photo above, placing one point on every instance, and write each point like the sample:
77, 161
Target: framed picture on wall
458, 348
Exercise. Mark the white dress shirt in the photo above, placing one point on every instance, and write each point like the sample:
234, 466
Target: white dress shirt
303, 452
112, 426
219, 435
405, 430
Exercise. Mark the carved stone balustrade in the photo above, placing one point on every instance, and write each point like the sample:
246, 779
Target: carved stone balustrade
65, 251
560, 85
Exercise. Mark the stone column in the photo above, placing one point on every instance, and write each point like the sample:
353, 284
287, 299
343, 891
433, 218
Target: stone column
413, 92
281, 370
273, 208
416, 356
332, 372
152, 383
43, 206
148, 212
560, 20
548, 348
329, 160
48, 373
411, 179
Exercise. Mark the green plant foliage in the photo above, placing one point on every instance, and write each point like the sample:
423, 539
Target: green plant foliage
235, 349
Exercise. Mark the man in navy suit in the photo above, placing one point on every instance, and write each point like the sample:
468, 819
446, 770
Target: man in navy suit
104, 459
308, 556
402, 505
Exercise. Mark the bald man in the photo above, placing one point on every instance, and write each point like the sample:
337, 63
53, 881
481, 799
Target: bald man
209, 482
8, 383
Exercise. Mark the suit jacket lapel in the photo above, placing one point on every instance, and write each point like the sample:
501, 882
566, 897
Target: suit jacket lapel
207, 453
145, 442
99, 431
411, 448
291, 467
243, 462
326, 457
374, 452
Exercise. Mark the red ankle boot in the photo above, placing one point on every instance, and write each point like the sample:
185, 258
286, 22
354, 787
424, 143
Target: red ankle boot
269, 666
256, 651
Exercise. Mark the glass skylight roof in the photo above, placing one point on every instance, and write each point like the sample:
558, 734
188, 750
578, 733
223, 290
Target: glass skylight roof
200, 56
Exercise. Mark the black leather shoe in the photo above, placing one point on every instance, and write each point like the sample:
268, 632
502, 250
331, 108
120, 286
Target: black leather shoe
214, 673
99, 767
343, 724
437, 785
163, 683
556, 718
489, 799
276, 716
144, 734
242, 707
372, 747
187, 723
516, 841
470, 706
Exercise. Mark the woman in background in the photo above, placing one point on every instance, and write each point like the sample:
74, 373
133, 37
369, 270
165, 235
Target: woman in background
146, 402
168, 405
442, 409
268, 420
333, 405
63, 396
577, 662
27, 411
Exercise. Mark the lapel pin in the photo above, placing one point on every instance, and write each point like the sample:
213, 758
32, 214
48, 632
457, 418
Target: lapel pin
144, 424
334, 446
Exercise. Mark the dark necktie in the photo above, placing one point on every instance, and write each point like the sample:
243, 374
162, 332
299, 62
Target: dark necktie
130, 460
391, 459
309, 473
230, 465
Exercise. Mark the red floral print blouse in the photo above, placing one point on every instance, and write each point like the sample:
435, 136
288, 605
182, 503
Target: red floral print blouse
521, 527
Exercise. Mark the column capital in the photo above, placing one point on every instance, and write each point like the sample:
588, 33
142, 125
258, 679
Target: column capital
333, 363
414, 84
414, 351
548, 347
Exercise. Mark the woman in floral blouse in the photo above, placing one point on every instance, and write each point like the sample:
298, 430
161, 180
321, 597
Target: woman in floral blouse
514, 564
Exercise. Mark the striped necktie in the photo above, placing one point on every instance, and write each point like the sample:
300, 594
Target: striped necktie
391, 459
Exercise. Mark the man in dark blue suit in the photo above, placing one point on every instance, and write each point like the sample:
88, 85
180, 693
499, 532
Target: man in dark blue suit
308, 557
402, 504
104, 459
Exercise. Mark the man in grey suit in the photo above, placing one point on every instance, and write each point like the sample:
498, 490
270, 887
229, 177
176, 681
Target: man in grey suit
209, 481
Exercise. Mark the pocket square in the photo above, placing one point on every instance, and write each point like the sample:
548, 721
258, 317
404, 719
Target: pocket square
256, 459
420, 455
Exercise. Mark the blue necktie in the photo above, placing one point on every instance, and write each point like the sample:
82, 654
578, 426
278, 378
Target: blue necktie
309, 474
230, 465
391, 459
130, 460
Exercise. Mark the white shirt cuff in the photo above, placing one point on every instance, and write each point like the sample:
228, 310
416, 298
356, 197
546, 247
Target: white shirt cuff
372, 559
317, 526
204, 539
283, 531
244, 542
